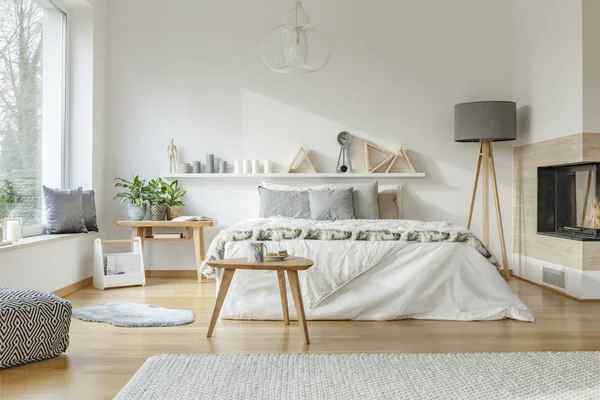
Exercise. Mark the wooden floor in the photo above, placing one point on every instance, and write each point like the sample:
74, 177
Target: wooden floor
102, 358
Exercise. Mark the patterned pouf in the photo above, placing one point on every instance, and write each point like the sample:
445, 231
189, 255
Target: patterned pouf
34, 326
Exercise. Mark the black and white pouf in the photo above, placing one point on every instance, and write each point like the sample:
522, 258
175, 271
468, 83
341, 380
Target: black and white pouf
34, 326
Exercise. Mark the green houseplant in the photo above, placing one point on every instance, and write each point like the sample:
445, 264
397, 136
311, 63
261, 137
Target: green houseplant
157, 199
174, 200
136, 194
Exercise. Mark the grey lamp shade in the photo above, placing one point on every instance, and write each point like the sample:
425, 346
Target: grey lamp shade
492, 120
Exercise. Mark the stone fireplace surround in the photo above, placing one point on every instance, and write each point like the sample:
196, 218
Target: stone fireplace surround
532, 252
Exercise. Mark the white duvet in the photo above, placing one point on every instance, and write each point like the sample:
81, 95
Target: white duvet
374, 279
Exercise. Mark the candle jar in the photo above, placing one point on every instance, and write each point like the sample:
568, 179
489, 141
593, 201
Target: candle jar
267, 166
255, 167
12, 231
210, 163
246, 167
222, 166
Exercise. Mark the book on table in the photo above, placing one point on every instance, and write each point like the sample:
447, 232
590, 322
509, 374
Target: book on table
159, 235
192, 219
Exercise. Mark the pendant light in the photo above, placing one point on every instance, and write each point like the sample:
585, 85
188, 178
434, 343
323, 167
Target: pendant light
295, 47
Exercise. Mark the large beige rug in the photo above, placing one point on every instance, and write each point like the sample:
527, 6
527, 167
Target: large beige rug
485, 376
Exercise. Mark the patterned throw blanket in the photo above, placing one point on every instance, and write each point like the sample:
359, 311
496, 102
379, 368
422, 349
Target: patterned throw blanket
277, 229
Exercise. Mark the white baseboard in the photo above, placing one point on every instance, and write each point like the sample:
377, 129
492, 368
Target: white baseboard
584, 285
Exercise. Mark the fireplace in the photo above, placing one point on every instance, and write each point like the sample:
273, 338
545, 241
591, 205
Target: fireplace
568, 201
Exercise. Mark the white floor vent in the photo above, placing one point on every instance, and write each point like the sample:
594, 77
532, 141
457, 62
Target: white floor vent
554, 277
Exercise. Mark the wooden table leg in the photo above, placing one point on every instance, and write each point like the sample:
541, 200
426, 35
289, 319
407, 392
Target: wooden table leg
199, 249
225, 282
283, 292
297, 295
138, 231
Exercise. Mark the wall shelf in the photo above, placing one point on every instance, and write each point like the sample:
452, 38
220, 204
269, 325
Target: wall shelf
298, 175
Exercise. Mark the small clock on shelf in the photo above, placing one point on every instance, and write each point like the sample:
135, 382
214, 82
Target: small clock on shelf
344, 164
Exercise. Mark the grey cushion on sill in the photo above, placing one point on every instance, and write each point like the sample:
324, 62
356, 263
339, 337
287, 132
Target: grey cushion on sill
274, 203
64, 211
331, 204
88, 205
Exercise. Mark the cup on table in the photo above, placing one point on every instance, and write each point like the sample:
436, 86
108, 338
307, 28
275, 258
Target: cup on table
256, 252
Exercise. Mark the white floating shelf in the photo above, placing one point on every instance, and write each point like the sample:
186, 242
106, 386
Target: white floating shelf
299, 175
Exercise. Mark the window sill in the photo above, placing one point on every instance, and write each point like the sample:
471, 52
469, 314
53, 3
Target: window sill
40, 240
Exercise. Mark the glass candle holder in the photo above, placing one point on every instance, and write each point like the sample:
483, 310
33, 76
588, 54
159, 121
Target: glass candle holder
13, 229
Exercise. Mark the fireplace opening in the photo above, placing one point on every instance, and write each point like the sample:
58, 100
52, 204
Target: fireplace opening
568, 201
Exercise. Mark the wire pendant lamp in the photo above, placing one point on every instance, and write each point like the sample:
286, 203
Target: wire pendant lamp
295, 47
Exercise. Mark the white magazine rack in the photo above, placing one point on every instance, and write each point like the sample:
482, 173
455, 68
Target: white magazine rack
102, 281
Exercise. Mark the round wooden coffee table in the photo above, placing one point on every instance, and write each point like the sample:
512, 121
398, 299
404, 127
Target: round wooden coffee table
291, 265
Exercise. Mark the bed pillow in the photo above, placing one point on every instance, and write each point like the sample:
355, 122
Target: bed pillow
330, 204
390, 201
88, 204
276, 203
64, 211
364, 196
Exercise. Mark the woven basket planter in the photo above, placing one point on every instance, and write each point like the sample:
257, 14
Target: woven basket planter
174, 212
158, 212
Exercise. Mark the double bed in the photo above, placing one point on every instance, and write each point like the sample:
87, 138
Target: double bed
369, 270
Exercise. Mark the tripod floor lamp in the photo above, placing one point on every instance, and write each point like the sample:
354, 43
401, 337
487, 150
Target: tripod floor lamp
486, 122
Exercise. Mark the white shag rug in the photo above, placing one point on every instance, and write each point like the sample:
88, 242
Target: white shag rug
485, 376
134, 315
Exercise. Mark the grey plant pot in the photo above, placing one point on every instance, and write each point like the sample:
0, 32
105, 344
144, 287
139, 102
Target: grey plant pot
158, 212
136, 213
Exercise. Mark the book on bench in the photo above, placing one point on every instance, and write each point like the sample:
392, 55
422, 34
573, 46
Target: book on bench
192, 219
167, 235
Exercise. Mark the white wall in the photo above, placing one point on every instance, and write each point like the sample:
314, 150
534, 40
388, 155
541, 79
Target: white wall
548, 68
591, 66
193, 71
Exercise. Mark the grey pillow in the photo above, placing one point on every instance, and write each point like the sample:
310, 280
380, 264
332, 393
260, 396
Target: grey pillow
274, 203
64, 211
88, 205
364, 198
331, 204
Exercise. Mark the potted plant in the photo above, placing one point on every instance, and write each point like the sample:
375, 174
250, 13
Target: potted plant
157, 199
136, 194
9, 197
174, 202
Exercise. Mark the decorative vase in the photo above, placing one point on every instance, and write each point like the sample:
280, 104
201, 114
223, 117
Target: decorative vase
174, 212
158, 212
135, 212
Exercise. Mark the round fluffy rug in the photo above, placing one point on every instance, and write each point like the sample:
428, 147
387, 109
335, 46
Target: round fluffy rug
134, 315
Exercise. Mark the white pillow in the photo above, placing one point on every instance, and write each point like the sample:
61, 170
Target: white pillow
384, 207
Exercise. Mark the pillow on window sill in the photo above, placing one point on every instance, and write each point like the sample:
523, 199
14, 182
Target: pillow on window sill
64, 211
88, 205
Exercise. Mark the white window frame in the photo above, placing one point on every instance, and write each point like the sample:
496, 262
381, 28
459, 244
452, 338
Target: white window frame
61, 179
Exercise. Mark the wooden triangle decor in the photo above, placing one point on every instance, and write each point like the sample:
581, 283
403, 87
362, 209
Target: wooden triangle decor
297, 164
389, 160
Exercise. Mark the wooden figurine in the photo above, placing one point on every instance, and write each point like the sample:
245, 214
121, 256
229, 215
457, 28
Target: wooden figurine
390, 159
172, 153
310, 168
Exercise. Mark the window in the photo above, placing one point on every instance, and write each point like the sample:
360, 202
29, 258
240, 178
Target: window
32, 107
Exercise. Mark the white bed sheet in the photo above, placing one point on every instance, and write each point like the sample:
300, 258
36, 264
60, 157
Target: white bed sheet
442, 281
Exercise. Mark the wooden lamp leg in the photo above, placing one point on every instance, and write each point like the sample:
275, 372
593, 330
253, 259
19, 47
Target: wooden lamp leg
474, 195
499, 216
485, 155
